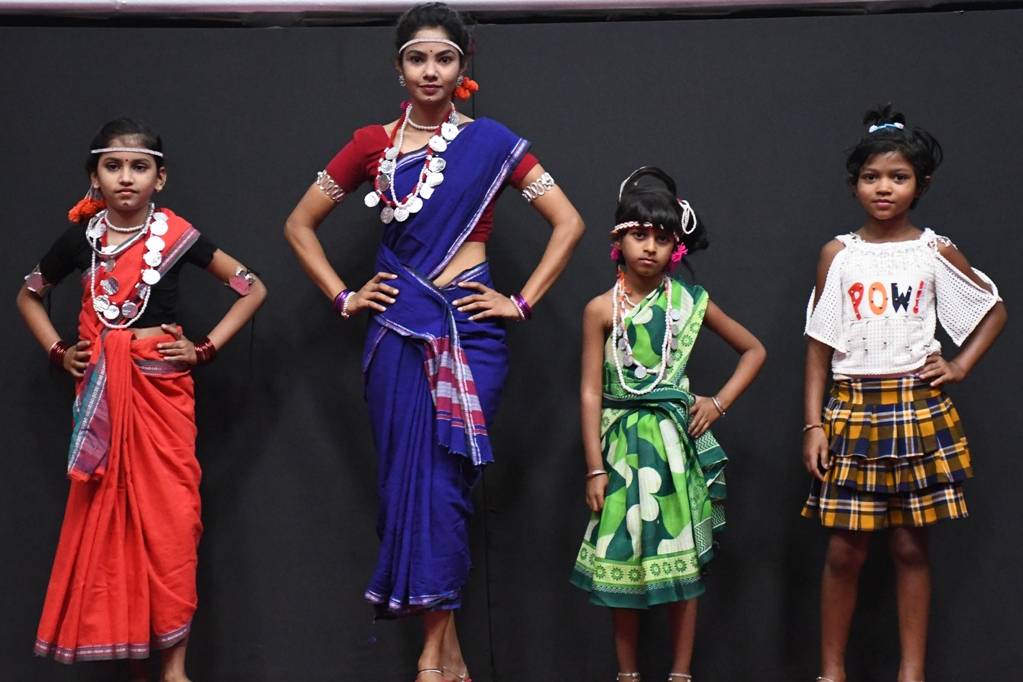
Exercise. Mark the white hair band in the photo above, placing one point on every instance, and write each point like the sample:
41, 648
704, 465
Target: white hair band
416, 41
133, 150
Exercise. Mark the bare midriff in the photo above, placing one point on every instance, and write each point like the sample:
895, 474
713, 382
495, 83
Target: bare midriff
469, 255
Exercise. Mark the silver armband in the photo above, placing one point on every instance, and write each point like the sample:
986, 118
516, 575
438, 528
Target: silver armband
37, 284
326, 183
539, 187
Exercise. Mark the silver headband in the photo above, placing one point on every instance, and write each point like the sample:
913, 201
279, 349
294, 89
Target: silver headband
134, 150
416, 41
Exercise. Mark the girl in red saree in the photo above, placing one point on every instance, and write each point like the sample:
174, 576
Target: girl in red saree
435, 358
123, 581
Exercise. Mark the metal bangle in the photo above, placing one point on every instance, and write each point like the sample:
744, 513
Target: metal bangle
525, 310
205, 352
812, 426
341, 303
537, 188
717, 404
596, 472
57, 352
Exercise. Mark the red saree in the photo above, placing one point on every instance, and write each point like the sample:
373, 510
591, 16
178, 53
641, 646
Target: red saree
123, 580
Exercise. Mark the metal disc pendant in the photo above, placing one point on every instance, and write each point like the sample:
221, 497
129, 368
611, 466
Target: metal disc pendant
386, 167
629, 361
110, 286
438, 144
384, 183
150, 276
676, 329
108, 264
621, 343
425, 192
669, 361
391, 153
448, 131
97, 230
416, 205
129, 310
640, 372
143, 291
159, 228
437, 164
160, 216
100, 303
112, 312
153, 258
155, 243
401, 214
674, 344
387, 215
372, 199
676, 314
434, 179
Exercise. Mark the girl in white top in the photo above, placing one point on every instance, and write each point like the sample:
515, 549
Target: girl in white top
889, 451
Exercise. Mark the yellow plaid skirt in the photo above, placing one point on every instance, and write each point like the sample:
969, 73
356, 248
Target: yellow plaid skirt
898, 457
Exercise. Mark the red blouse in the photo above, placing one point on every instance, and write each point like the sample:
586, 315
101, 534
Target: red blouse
357, 163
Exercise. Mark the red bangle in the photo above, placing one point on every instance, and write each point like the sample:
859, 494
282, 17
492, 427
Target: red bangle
205, 352
57, 352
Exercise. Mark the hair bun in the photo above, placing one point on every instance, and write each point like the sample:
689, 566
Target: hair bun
632, 181
883, 114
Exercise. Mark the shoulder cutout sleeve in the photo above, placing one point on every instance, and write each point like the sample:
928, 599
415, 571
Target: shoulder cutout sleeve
961, 302
824, 322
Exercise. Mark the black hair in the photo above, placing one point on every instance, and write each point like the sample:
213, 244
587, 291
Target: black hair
127, 129
434, 15
659, 206
892, 135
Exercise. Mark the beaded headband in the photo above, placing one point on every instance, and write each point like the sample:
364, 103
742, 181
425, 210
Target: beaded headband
416, 41
133, 150
875, 128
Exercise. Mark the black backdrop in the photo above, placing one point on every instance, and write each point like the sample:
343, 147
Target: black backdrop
750, 115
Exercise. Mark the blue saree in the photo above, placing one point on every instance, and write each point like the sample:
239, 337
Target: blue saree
433, 379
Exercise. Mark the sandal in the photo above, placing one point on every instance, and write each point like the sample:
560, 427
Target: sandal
461, 678
634, 677
684, 676
825, 679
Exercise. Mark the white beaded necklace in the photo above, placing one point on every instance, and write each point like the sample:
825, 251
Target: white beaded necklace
106, 310
430, 176
419, 126
620, 339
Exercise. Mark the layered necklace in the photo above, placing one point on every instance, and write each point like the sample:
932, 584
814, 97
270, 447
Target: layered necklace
620, 338
430, 176
155, 226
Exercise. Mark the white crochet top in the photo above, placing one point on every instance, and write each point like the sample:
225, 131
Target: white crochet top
880, 304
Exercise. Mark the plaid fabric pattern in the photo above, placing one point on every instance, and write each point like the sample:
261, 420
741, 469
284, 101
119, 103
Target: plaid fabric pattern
898, 456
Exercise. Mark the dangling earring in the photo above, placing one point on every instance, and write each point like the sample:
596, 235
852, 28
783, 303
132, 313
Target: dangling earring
401, 79
458, 83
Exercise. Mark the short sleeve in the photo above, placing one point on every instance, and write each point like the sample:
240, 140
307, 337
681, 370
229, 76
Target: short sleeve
201, 252
350, 167
961, 302
526, 164
824, 322
62, 258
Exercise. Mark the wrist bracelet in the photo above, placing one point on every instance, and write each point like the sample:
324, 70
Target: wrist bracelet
595, 473
525, 312
205, 352
57, 352
812, 426
714, 399
341, 303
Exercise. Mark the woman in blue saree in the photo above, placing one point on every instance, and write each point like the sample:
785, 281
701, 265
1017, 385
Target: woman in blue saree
435, 358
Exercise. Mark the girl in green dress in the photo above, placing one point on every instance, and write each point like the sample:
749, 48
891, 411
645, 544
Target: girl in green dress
655, 480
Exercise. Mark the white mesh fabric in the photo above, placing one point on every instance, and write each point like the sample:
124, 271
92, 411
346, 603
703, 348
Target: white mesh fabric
880, 305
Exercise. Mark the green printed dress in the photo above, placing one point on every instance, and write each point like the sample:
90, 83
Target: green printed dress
666, 490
